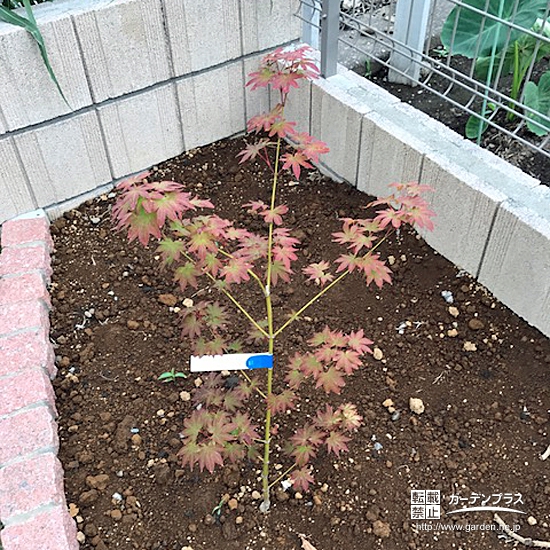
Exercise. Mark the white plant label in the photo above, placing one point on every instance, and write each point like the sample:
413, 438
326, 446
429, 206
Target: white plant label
231, 361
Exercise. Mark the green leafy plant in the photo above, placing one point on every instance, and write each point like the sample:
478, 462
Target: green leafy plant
495, 44
171, 376
29, 24
196, 245
537, 97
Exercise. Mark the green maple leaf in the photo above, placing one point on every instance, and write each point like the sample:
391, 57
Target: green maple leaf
187, 274
170, 250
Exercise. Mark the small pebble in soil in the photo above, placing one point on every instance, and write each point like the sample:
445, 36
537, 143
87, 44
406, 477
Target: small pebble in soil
453, 311
416, 405
469, 346
531, 520
185, 396
381, 529
447, 296
256, 495
377, 354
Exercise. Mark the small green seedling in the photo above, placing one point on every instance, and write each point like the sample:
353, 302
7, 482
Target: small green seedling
171, 375
217, 510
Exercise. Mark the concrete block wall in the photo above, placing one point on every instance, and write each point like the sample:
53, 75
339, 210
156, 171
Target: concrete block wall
492, 219
144, 80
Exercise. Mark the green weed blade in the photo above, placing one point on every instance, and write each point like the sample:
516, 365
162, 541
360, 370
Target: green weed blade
29, 24
33, 29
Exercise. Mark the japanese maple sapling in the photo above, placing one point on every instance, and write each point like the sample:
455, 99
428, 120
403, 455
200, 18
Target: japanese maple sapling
198, 244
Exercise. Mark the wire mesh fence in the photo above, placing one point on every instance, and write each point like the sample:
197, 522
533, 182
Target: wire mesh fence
485, 59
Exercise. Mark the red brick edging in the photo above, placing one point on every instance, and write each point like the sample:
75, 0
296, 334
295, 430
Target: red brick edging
33, 509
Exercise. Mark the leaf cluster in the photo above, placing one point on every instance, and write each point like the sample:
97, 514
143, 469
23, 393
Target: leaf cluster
217, 429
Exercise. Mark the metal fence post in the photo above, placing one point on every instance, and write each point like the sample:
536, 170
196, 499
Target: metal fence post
311, 10
411, 23
329, 37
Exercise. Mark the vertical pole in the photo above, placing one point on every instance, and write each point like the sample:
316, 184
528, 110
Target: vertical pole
329, 37
311, 10
411, 24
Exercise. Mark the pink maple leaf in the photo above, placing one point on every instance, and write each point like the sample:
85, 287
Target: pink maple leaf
251, 151
317, 272
293, 161
374, 269
313, 148
359, 343
261, 78
236, 270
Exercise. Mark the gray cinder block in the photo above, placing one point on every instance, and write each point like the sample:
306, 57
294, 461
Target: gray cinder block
29, 95
142, 130
336, 119
212, 105
465, 206
202, 34
16, 197
64, 159
388, 154
124, 46
268, 23
516, 265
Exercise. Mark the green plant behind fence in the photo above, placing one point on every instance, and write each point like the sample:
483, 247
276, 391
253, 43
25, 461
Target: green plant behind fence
493, 43
29, 24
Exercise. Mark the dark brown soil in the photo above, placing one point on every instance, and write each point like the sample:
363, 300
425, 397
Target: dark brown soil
485, 425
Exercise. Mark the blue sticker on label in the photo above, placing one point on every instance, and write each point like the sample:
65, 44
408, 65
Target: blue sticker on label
263, 361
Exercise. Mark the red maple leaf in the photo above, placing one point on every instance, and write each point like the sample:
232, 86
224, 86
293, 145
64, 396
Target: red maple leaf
302, 478
283, 80
313, 148
170, 250
128, 183
245, 431
279, 271
281, 128
143, 225
264, 121
261, 78
275, 214
348, 360
281, 402
348, 262
328, 419
336, 442
251, 151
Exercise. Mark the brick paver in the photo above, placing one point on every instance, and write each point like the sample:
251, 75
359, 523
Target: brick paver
32, 500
